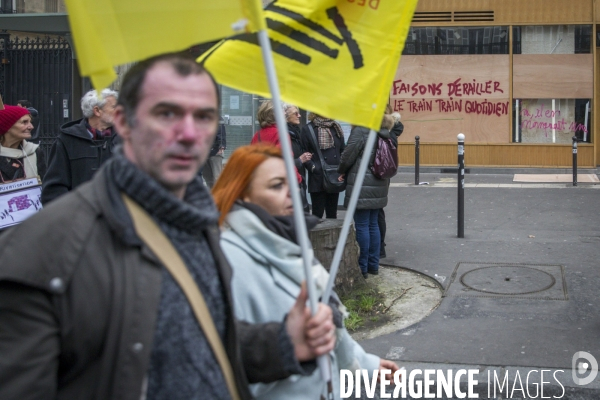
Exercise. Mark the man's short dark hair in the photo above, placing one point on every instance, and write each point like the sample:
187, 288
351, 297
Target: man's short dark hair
24, 103
131, 89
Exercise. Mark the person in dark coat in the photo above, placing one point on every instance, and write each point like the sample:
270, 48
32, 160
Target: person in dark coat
82, 146
330, 139
214, 165
19, 158
395, 132
90, 311
292, 116
373, 195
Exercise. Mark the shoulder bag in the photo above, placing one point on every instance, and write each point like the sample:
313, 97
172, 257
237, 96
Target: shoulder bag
330, 173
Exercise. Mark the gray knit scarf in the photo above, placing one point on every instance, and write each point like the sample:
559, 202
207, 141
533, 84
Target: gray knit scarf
182, 365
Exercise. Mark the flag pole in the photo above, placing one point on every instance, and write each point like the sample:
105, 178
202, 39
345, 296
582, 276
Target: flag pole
339, 249
300, 222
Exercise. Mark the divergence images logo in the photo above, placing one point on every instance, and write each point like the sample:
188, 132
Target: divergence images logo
581, 362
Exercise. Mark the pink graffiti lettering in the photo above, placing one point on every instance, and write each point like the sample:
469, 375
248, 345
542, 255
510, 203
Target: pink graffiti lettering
399, 105
486, 107
575, 126
419, 106
448, 106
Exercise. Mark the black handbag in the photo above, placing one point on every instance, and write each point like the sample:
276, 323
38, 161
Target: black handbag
331, 184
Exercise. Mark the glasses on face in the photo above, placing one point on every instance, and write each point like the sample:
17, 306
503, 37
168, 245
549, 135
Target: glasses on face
296, 113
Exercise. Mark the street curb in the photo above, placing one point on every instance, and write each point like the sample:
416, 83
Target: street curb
429, 277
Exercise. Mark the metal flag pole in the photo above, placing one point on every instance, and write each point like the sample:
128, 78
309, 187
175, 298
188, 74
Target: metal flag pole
339, 249
300, 222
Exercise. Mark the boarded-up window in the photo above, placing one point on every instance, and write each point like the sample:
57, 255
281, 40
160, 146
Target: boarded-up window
552, 39
551, 120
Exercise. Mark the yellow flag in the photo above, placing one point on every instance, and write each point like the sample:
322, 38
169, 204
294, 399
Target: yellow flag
334, 57
112, 32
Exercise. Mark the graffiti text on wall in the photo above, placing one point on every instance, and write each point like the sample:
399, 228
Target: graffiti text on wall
458, 88
484, 107
546, 120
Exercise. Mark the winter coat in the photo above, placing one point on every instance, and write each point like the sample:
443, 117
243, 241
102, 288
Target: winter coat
374, 191
74, 158
331, 156
78, 309
395, 132
220, 139
266, 135
268, 271
297, 149
15, 165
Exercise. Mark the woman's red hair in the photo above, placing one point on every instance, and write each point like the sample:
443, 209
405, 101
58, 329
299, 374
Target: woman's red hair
237, 174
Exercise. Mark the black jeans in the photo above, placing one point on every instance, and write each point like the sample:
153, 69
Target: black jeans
324, 202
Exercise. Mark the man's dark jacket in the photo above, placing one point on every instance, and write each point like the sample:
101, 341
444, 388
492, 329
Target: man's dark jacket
78, 309
74, 159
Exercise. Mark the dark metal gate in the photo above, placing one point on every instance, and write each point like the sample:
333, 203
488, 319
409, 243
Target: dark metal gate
38, 70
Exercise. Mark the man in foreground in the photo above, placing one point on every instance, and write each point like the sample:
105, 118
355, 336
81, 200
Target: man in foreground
86, 308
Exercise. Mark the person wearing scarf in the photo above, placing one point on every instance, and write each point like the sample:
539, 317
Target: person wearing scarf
259, 240
19, 158
330, 138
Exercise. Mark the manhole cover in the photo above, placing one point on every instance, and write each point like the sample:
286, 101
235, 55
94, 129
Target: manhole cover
507, 280
527, 281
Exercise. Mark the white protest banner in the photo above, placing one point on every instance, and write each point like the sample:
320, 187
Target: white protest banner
19, 200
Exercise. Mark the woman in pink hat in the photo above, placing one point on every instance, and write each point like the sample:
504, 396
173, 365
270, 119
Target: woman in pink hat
18, 158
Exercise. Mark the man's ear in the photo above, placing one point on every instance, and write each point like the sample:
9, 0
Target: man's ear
96, 111
120, 123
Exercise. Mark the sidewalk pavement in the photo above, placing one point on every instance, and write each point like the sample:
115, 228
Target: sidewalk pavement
539, 247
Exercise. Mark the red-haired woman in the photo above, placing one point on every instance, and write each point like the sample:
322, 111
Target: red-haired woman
260, 243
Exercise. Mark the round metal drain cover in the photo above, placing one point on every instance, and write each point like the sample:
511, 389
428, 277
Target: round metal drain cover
507, 280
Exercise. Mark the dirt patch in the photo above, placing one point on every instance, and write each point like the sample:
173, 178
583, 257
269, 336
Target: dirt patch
366, 306
406, 298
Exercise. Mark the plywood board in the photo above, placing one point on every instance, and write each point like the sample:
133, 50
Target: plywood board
452, 76
553, 76
444, 127
441, 96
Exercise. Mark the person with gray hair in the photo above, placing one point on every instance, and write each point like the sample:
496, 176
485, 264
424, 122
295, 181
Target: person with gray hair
91, 100
82, 146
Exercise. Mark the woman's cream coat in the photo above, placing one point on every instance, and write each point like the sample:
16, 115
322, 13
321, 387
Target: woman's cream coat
267, 273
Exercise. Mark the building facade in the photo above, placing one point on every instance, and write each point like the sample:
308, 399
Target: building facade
517, 78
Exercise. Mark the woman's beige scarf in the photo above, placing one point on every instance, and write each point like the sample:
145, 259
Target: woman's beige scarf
26, 153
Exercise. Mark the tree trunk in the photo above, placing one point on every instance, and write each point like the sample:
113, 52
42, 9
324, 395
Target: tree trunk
324, 238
